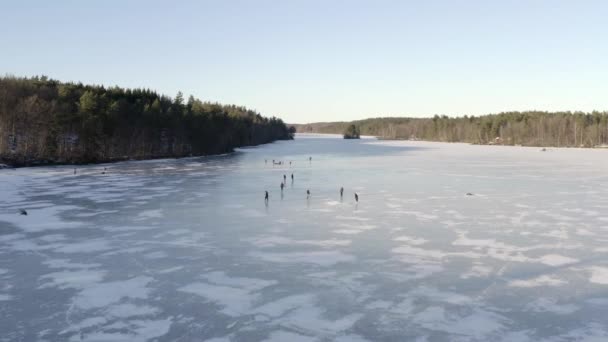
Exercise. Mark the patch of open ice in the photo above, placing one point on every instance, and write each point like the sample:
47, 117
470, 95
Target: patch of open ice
321, 258
156, 255
130, 310
420, 216
271, 241
138, 331
280, 336
551, 305
89, 246
478, 325
103, 294
249, 284
350, 338
311, 318
348, 231
235, 295
233, 301
411, 240
280, 306
42, 219
170, 269
79, 279
85, 323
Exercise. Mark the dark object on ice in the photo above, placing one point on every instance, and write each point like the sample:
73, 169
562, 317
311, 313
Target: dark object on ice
266, 196
356, 198
470, 194
341, 192
284, 179
292, 177
74, 170
104, 171
23, 212
307, 194
282, 186
309, 159
543, 149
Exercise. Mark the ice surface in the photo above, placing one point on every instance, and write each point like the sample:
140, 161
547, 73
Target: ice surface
187, 250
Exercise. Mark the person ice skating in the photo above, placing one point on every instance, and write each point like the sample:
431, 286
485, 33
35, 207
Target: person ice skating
341, 192
282, 186
292, 177
74, 170
307, 194
356, 198
290, 163
266, 197
284, 179
309, 159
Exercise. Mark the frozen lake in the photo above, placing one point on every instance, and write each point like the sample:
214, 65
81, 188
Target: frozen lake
186, 250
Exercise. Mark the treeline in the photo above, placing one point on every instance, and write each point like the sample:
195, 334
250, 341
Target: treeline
533, 128
46, 121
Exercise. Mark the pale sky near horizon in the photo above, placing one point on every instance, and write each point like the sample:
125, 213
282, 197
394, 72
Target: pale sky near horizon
308, 61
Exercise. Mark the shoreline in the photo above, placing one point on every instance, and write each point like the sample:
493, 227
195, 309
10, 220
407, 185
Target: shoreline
6, 164
380, 138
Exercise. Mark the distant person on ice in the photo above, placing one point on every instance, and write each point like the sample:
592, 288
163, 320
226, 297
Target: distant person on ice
292, 177
310, 159
266, 197
282, 186
284, 179
341, 192
307, 194
356, 198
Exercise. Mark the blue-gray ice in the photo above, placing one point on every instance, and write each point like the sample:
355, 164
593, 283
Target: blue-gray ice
187, 250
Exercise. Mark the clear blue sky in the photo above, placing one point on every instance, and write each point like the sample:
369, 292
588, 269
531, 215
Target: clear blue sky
318, 60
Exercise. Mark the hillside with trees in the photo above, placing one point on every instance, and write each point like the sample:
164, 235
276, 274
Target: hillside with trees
46, 121
533, 128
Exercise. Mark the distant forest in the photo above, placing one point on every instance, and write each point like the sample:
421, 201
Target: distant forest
46, 121
560, 129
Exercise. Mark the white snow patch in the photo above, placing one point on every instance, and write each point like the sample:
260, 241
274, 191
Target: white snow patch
599, 275
543, 280
556, 260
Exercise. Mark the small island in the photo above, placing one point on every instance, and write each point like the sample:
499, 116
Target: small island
352, 132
